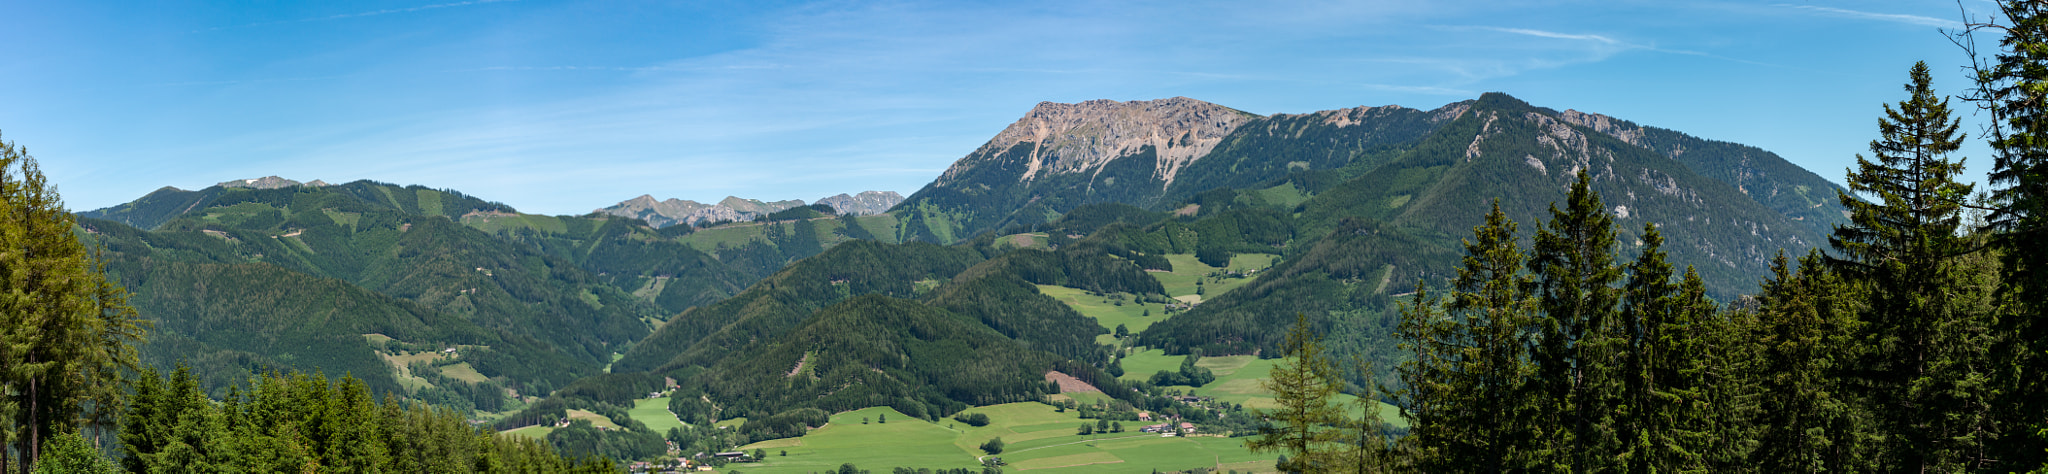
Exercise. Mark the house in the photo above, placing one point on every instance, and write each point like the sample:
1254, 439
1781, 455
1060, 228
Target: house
1144, 416
735, 456
1158, 428
1186, 427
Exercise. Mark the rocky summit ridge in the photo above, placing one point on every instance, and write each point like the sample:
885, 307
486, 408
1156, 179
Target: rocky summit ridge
267, 182
1082, 137
672, 211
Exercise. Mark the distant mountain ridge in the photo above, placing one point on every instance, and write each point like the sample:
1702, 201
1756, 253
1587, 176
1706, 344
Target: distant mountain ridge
672, 211
1157, 154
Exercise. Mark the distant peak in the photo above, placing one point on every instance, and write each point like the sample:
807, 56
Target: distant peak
1082, 137
266, 182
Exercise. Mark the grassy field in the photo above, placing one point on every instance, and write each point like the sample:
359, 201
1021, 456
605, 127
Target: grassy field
535, 431
1179, 282
494, 223
1187, 270
595, 419
1027, 240
463, 372
1036, 439
1237, 379
1106, 313
1286, 195
654, 413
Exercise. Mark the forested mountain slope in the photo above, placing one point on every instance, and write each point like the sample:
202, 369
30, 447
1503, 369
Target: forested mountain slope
1376, 235
296, 276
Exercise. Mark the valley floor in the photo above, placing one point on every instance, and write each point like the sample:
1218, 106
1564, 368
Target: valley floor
1037, 438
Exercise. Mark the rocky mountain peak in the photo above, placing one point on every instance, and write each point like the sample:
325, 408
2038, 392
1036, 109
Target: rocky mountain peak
756, 206
266, 182
1077, 138
865, 203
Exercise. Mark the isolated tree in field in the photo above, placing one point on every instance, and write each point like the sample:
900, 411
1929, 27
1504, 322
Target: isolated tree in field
993, 446
67, 334
1925, 357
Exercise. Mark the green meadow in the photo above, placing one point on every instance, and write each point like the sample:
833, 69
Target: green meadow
1180, 283
654, 413
1105, 310
1036, 438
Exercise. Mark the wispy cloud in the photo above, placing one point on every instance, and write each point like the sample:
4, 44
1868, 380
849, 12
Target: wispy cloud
1863, 15
1555, 35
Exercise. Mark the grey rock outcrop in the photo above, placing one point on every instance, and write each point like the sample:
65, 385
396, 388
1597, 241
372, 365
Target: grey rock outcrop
664, 213
864, 204
266, 182
1081, 138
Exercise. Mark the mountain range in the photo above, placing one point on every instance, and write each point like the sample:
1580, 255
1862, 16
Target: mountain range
937, 301
664, 213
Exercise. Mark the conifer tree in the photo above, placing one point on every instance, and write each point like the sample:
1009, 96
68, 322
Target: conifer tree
1902, 244
1467, 393
1303, 387
66, 332
1807, 421
1578, 354
1714, 403
1651, 405
2012, 84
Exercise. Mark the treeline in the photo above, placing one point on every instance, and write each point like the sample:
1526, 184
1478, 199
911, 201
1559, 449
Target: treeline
298, 422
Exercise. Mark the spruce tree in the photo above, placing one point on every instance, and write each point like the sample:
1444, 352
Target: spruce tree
1652, 408
1580, 346
2012, 84
1902, 244
1467, 392
1807, 417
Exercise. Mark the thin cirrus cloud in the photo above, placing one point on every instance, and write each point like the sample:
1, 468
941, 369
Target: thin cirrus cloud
1556, 35
1890, 17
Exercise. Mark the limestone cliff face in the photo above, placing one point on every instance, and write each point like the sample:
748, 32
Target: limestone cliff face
1081, 138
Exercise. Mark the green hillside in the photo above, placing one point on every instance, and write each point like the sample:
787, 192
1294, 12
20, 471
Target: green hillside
294, 277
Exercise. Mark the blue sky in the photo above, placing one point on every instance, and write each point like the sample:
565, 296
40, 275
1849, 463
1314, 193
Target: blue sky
560, 107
